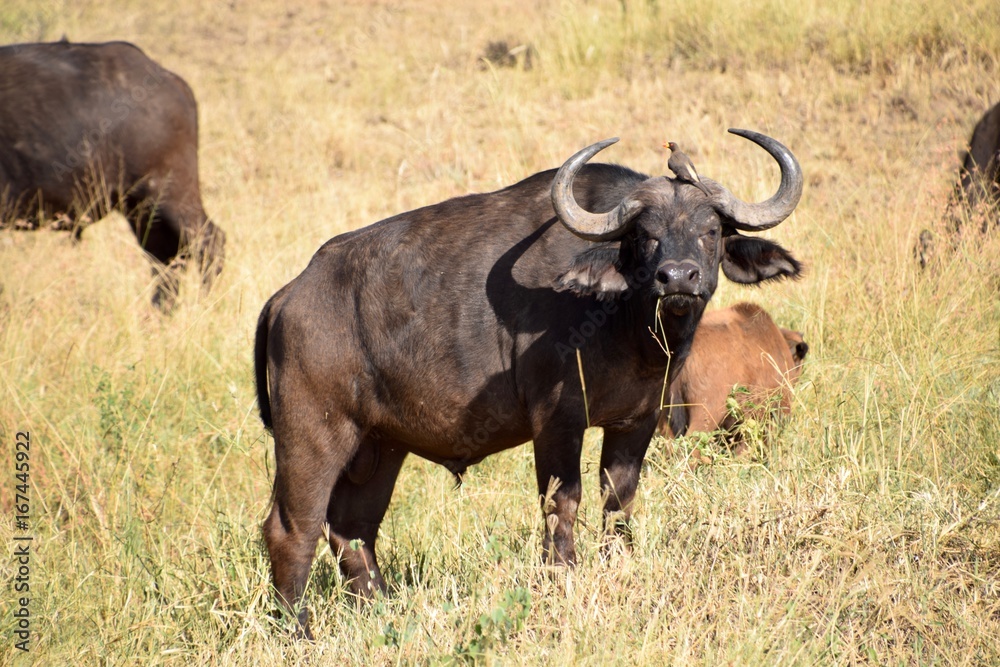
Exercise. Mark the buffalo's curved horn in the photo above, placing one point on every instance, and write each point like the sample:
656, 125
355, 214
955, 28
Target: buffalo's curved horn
757, 217
587, 225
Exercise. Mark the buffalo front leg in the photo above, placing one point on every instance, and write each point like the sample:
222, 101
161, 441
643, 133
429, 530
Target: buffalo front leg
357, 507
621, 462
557, 469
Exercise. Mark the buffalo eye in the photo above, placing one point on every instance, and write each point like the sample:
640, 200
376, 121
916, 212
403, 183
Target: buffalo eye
650, 246
709, 239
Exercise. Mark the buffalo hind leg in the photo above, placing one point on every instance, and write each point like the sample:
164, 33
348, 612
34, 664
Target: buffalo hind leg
161, 240
356, 509
557, 470
197, 237
310, 456
621, 462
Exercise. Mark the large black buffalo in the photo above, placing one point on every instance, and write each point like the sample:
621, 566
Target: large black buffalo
88, 128
462, 329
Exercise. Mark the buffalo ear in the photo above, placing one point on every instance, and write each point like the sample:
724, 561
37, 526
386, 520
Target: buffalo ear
750, 260
796, 344
594, 272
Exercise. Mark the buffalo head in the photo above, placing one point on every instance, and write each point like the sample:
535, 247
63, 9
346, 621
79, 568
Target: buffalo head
669, 239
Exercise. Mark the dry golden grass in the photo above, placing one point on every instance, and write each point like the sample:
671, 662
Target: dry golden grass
867, 532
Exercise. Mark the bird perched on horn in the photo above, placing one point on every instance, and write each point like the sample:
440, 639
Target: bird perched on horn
683, 168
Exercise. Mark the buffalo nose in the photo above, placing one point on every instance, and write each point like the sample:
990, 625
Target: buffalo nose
679, 277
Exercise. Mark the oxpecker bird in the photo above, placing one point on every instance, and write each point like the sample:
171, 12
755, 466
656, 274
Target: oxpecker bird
683, 168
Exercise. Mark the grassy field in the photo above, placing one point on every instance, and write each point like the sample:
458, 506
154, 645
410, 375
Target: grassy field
867, 532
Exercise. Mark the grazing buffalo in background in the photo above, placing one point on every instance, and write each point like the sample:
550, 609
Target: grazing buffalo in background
977, 193
462, 329
980, 173
88, 128
741, 347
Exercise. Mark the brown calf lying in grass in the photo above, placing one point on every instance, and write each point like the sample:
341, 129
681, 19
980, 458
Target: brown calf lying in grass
739, 347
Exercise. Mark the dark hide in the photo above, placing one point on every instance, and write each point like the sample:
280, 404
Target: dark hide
741, 347
89, 128
452, 332
980, 173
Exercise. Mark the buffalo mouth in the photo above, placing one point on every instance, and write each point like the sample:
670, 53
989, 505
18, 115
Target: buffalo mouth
679, 304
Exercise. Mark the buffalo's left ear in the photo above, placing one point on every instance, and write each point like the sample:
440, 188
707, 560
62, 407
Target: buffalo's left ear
595, 272
750, 260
